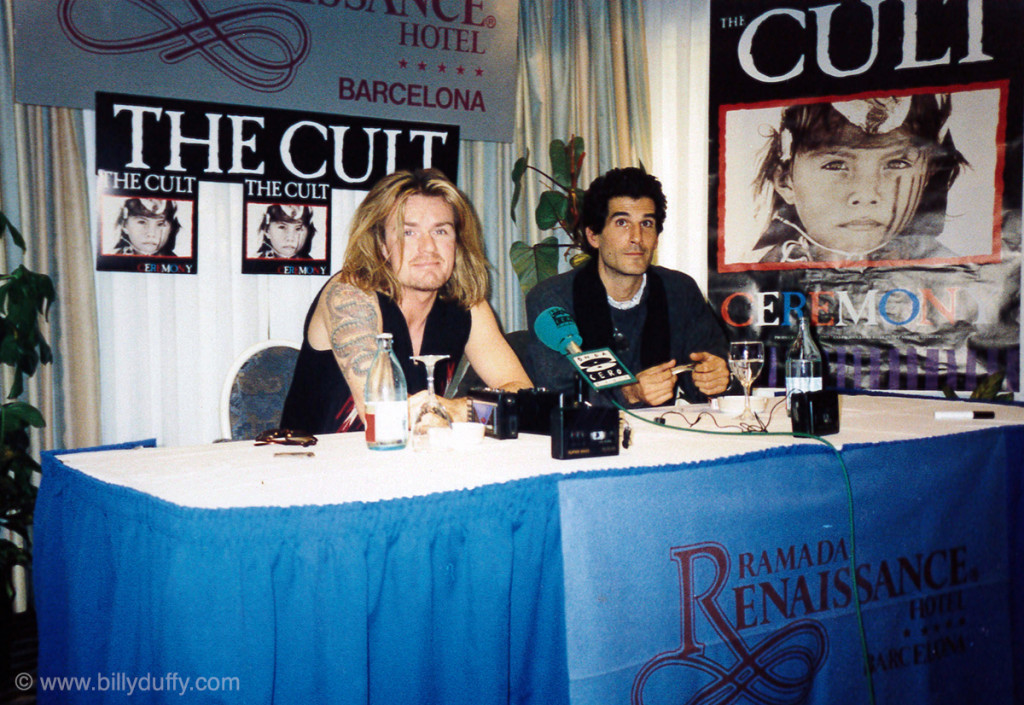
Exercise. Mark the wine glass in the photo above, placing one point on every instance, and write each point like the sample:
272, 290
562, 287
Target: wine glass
431, 418
745, 361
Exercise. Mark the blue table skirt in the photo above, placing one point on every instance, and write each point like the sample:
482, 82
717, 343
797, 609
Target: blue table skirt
450, 598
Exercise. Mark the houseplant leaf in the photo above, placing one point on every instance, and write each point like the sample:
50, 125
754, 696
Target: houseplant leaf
24, 297
551, 209
561, 171
545, 253
518, 169
534, 264
576, 153
988, 386
557, 207
11, 230
17, 415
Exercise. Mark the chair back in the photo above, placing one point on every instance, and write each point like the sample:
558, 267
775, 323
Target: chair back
255, 389
518, 340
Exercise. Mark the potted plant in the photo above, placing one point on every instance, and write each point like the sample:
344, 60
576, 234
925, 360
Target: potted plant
558, 207
24, 297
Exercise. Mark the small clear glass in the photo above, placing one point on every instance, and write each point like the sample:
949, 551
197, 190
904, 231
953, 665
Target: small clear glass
432, 422
745, 362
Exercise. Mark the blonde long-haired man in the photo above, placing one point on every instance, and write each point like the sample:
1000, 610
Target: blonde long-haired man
414, 267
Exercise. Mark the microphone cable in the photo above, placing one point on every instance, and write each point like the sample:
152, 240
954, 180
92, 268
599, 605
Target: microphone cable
847, 486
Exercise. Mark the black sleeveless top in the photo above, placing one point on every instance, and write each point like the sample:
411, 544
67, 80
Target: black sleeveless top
319, 400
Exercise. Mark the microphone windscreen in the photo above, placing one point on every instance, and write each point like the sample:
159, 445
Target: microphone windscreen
555, 328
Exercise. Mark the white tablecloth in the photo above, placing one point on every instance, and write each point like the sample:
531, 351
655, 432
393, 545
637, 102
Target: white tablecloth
342, 469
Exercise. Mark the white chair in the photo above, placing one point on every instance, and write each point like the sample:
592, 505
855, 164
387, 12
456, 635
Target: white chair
255, 389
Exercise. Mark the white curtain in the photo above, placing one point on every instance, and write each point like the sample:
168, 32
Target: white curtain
677, 46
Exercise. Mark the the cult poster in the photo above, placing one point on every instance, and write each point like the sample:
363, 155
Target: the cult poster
152, 154
865, 163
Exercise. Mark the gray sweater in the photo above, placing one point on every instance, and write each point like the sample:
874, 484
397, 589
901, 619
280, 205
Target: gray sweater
692, 328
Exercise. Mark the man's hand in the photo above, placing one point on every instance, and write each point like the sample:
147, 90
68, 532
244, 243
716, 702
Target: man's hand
654, 386
458, 409
711, 375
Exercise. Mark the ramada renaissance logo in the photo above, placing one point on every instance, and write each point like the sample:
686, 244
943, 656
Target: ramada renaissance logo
258, 46
777, 670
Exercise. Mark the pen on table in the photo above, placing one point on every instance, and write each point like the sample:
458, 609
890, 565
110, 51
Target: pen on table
965, 415
684, 368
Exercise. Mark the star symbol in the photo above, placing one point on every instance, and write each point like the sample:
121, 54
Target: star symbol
461, 70
442, 68
422, 66
403, 63
479, 72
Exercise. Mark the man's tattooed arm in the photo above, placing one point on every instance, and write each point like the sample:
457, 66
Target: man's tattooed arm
353, 321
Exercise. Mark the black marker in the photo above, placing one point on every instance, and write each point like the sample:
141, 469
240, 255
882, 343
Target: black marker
965, 415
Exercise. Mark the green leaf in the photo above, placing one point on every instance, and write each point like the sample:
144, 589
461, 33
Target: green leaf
45, 353
579, 259
545, 254
534, 264
988, 386
519, 168
7, 225
577, 153
517, 179
11, 554
574, 212
522, 263
24, 297
551, 209
560, 166
19, 414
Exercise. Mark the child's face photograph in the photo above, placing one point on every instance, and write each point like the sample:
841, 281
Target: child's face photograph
854, 195
286, 238
147, 234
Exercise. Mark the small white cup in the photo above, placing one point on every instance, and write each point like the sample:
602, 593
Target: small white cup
733, 404
440, 438
466, 433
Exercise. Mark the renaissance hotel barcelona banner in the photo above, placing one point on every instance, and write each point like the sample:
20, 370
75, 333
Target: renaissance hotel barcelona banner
761, 592
444, 61
866, 174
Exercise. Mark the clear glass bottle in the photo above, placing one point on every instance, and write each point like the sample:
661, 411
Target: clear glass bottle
803, 362
387, 400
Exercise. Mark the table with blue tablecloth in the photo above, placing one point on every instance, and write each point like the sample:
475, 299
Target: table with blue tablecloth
691, 567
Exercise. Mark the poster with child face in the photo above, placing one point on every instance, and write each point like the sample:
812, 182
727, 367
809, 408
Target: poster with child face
286, 238
146, 233
866, 176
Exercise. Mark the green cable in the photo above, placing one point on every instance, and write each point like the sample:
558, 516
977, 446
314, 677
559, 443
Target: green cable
849, 507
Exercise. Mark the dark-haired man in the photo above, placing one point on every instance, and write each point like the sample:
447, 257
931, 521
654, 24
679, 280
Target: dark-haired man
652, 317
